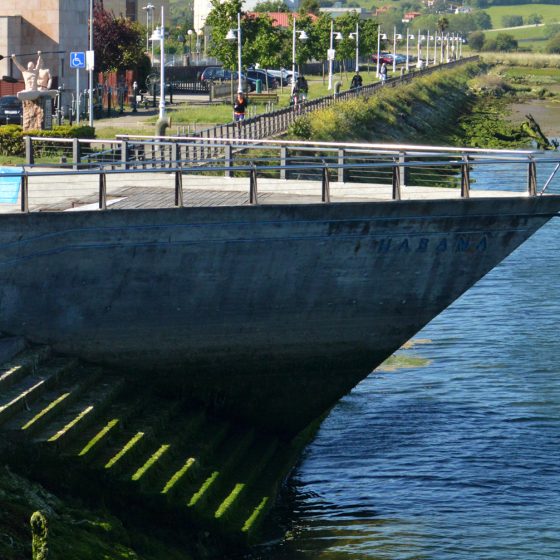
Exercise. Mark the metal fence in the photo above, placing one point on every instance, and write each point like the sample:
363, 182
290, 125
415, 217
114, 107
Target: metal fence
157, 172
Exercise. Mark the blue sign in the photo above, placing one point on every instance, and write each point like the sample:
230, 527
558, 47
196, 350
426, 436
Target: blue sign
77, 60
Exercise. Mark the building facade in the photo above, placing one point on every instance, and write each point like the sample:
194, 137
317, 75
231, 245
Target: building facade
55, 27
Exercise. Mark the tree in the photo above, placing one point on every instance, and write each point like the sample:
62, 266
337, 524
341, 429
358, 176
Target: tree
534, 19
505, 42
265, 6
119, 43
442, 24
512, 21
309, 7
483, 20
222, 18
480, 4
553, 45
476, 40
264, 43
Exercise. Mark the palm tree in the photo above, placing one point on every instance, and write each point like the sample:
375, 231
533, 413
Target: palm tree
442, 24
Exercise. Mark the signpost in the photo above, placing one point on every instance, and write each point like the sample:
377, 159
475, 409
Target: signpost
77, 61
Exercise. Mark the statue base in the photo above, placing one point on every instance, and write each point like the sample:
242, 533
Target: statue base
37, 108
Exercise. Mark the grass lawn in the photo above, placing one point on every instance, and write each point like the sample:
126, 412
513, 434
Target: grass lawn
549, 12
205, 116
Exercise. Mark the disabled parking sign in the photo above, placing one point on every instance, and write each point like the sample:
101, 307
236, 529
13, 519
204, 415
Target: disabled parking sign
77, 60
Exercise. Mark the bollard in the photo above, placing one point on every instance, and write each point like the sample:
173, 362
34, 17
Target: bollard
39, 534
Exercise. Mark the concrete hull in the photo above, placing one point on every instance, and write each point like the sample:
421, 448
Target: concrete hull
270, 313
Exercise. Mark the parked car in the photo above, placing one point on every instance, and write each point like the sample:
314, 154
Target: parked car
219, 74
11, 110
384, 57
264, 76
282, 74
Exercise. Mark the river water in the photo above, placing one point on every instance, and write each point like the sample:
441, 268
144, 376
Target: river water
456, 459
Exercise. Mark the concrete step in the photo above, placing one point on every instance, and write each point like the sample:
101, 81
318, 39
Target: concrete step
55, 402
19, 396
59, 434
26, 362
10, 346
237, 505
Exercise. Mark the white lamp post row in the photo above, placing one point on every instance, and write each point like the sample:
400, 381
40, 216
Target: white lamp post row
302, 36
449, 42
159, 35
235, 35
331, 54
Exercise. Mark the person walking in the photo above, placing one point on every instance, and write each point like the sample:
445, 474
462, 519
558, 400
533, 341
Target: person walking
356, 82
239, 107
383, 73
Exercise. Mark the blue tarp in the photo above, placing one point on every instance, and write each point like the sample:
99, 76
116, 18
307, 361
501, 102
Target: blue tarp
9, 186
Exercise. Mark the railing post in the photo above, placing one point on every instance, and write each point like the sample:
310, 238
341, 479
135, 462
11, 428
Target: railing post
253, 195
465, 178
179, 189
102, 191
532, 177
124, 154
396, 180
76, 153
402, 169
283, 162
228, 152
174, 155
341, 170
24, 193
325, 187
29, 155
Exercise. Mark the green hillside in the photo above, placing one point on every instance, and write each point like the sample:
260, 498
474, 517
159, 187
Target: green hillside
550, 13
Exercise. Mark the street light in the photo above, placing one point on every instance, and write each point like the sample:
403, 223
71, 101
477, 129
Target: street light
332, 53
90, 93
235, 35
396, 37
149, 17
408, 37
302, 36
419, 40
356, 37
379, 37
159, 35
190, 34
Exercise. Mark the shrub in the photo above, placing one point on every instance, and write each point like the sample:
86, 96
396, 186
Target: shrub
512, 21
12, 136
553, 46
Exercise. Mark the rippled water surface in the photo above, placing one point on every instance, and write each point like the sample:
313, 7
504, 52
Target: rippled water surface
459, 459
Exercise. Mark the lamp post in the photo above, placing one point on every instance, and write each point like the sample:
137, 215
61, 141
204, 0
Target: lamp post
396, 36
302, 36
356, 37
408, 37
379, 37
159, 35
235, 35
332, 53
190, 34
419, 40
91, 63
149, 18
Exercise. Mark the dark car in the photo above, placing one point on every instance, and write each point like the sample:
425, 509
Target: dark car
11, 110
219, 74
264, 77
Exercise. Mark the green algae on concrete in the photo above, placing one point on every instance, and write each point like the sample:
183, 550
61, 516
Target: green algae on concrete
39, 534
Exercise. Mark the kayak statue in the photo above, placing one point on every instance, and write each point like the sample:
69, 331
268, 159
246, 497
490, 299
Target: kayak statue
37, 95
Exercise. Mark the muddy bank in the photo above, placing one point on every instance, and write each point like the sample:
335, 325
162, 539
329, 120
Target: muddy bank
546, 112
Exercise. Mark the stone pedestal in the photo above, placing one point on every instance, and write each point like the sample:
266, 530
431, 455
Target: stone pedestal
37, 109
